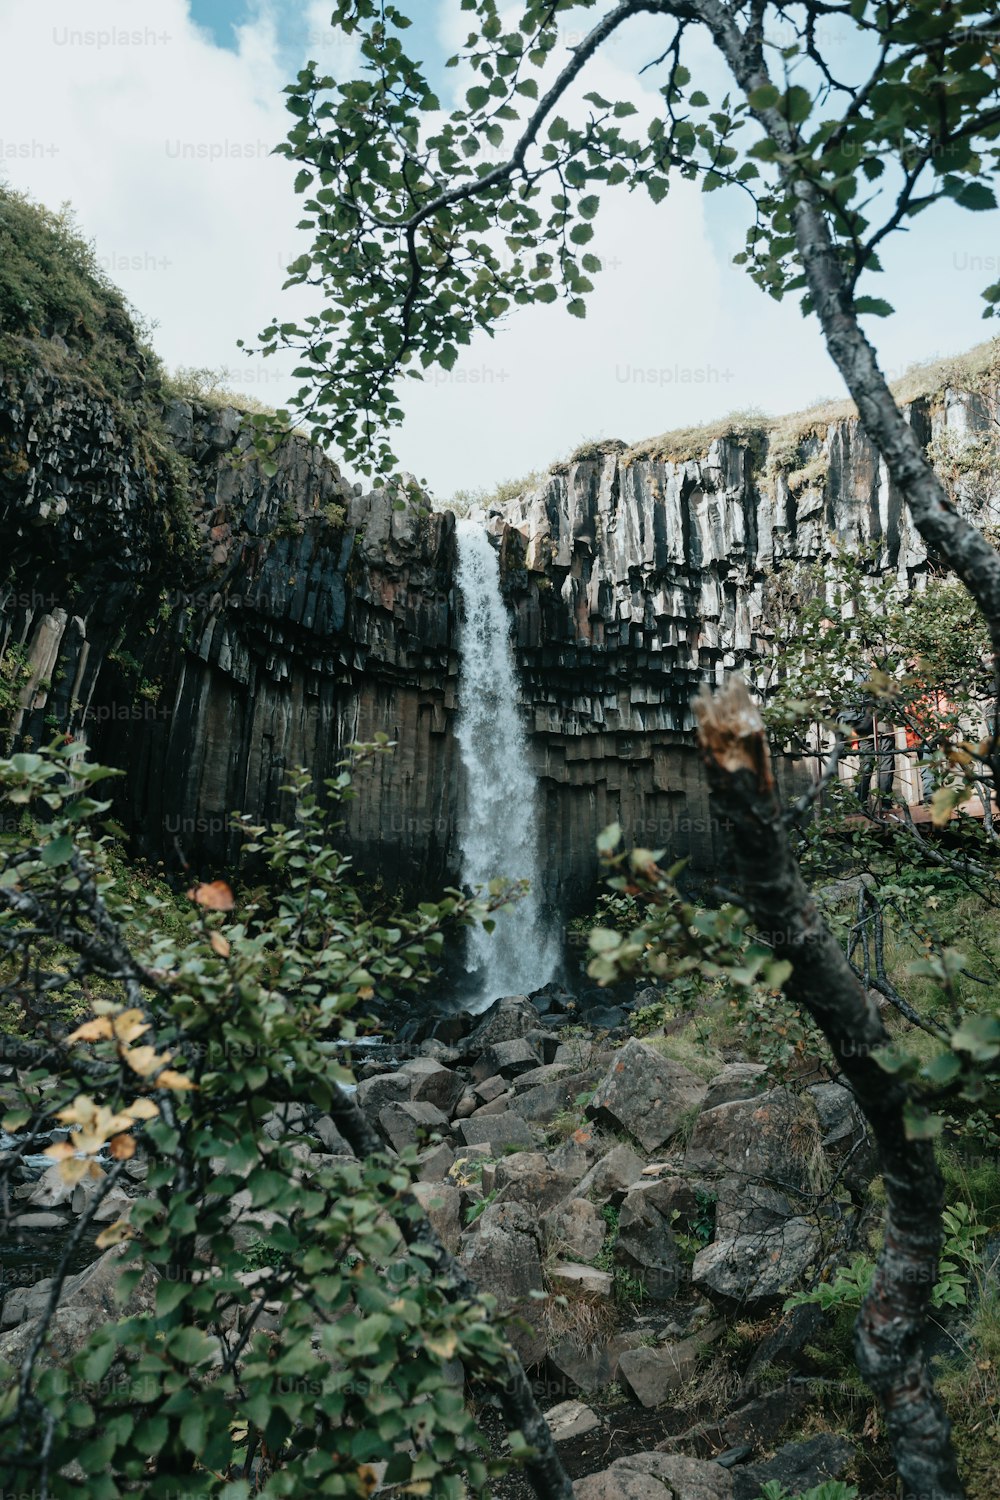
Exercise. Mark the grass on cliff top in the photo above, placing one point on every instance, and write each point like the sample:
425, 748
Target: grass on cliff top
970, 371
58, 308
211, 388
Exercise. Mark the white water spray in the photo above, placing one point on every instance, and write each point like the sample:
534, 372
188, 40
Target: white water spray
499, 836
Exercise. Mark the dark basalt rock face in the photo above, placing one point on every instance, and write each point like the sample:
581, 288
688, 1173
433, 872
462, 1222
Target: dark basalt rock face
209, 626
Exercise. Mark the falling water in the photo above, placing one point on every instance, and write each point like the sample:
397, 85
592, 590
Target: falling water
500, 829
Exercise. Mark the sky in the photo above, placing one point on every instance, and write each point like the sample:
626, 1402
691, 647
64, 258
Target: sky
156, 122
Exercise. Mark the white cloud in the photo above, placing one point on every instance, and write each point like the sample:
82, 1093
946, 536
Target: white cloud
161, 141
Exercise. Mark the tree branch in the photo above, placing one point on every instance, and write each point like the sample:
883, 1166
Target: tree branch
892, 1323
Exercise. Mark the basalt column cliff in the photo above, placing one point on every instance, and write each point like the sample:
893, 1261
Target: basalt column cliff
208, 626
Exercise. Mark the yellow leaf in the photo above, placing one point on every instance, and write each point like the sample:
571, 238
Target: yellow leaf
129, 1025
145, 1060
215, 896
114, 1234
443, 1347
122, 1147
91, 1031
105, 1007
60, 1151
74, 1170
170, 1079
219, 944
82, 1111
943, 804
142, 1109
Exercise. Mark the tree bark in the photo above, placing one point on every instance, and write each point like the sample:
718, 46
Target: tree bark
892, 1323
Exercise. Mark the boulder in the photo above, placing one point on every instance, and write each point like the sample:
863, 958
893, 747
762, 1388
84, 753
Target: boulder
508, 1059
575, 1228
657, 1476
330, 1137
588, 1367
610, 1178
796, 1467
496, 1131
441, 1203
570, 1420
38, 1221
738, 1080
382, 1089
758, 1267
434, 1164
498, 1106
605, 1017
584, 1279
431, 1083
647, 1095
527, 1177
505, 1021
547, 1073
772, 1137
410, 1124
651, 1374
89, 1300
748, 1207
646, 1245
502, 1258
490, 1089
50, 1191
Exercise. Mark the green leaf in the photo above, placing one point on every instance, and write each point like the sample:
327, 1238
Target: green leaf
59, 851
170, 1294
919, 1125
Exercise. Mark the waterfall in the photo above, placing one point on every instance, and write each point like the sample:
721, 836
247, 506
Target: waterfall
499, 831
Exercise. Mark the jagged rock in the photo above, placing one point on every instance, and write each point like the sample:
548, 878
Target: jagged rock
434, 1164
375, 1093
502, 1258
498, 1106
490, 1089
588, 1367
657, 1476
845, 1134
88, 1301
743, 1207
652, 1373
497, 1131
508, 1020
547, 1073
774, 1136
410, 1124
326, 1131
758, 1267
546, 1100
646, 1245
50, 1191
509, 1059
441, 1203
738, 1080
646, 1094
431, 1083
610, 1178
570, 1420
576, 1228
528, 1178
796, 1467
584, 1279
